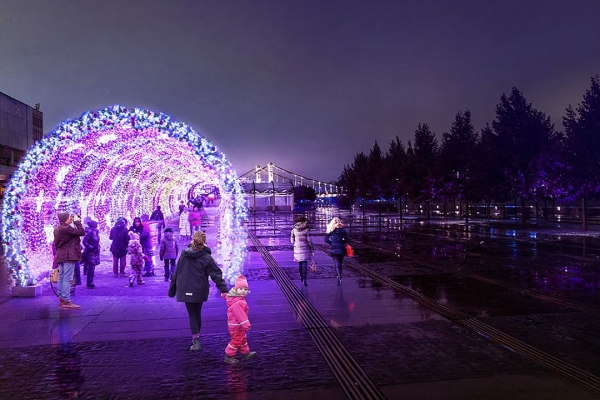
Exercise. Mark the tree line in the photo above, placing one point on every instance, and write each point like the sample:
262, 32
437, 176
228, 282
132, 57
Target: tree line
520, 155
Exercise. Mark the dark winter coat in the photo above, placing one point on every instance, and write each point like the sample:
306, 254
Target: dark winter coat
157, 215
137, 228
91, 247
120, 239
338, 238
168, 247
190, 279
143, 232
67, 242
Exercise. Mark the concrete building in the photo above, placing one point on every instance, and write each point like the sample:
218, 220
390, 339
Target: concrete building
20, 127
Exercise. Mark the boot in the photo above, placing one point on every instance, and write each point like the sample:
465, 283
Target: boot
90, 276
231, 360
77, 274
195, 344
250, 355
68, 305
130, 280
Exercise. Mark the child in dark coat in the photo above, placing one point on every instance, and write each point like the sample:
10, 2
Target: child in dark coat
168, 252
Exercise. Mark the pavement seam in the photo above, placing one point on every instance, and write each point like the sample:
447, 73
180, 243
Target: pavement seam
583, 378
352, 378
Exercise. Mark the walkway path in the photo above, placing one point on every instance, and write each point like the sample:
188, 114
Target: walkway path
313, 342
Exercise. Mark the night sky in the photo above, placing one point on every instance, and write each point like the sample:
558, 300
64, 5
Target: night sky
305, 84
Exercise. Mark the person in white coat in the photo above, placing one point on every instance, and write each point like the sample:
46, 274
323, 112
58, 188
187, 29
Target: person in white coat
303, 247
184, 226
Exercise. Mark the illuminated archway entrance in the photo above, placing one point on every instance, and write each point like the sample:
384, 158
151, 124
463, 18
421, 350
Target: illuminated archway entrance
111, 163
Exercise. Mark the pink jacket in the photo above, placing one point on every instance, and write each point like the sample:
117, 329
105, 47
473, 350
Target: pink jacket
237, 312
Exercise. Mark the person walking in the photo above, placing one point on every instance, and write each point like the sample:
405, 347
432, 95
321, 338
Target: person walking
91, 252
67, 246
184, 227
238, 322
189, 283
303, 247
118, 247
157, 215
168, 252
195, 218
337, 238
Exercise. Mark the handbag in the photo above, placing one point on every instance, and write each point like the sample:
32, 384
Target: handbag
54, 275
54, 279
349, 251
312, 266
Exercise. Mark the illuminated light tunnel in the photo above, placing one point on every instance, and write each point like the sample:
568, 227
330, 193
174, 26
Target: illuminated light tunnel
111, 163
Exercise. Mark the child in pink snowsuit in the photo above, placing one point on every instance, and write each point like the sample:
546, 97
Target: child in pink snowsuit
237, 320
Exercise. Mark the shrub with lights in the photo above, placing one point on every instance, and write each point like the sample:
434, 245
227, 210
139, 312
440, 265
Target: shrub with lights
111, 163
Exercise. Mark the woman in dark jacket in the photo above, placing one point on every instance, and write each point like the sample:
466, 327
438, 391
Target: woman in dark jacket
91, 252
190, 282
118, 247
337, 237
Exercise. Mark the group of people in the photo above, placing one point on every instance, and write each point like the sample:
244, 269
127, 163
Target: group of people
136, 242
190, 286
335, 236
189, 279
190, 220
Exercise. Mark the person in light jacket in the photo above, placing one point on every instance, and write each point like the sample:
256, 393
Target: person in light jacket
169, 249
337, 238
303, 248
189, 283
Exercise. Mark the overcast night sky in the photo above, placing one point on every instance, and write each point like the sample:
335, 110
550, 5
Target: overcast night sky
306, 84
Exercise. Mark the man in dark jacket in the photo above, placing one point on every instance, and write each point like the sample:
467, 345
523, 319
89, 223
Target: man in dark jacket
190, 282
158, 216
67, 246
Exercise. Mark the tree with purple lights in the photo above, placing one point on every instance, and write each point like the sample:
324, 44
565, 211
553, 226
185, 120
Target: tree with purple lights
518, 156
455, 166
525, 136
420, 165
582, 128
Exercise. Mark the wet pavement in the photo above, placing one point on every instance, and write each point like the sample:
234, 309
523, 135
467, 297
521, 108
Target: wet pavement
132, 343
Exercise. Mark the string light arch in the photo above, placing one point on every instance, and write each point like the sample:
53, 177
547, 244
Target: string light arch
111, 163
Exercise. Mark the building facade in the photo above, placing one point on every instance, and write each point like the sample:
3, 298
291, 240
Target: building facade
20, 127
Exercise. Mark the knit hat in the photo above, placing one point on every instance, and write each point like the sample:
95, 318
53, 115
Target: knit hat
63, 216
168, 230
241, 282
134, 236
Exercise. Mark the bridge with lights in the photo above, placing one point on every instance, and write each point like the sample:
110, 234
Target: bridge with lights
276, 175
272, 188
